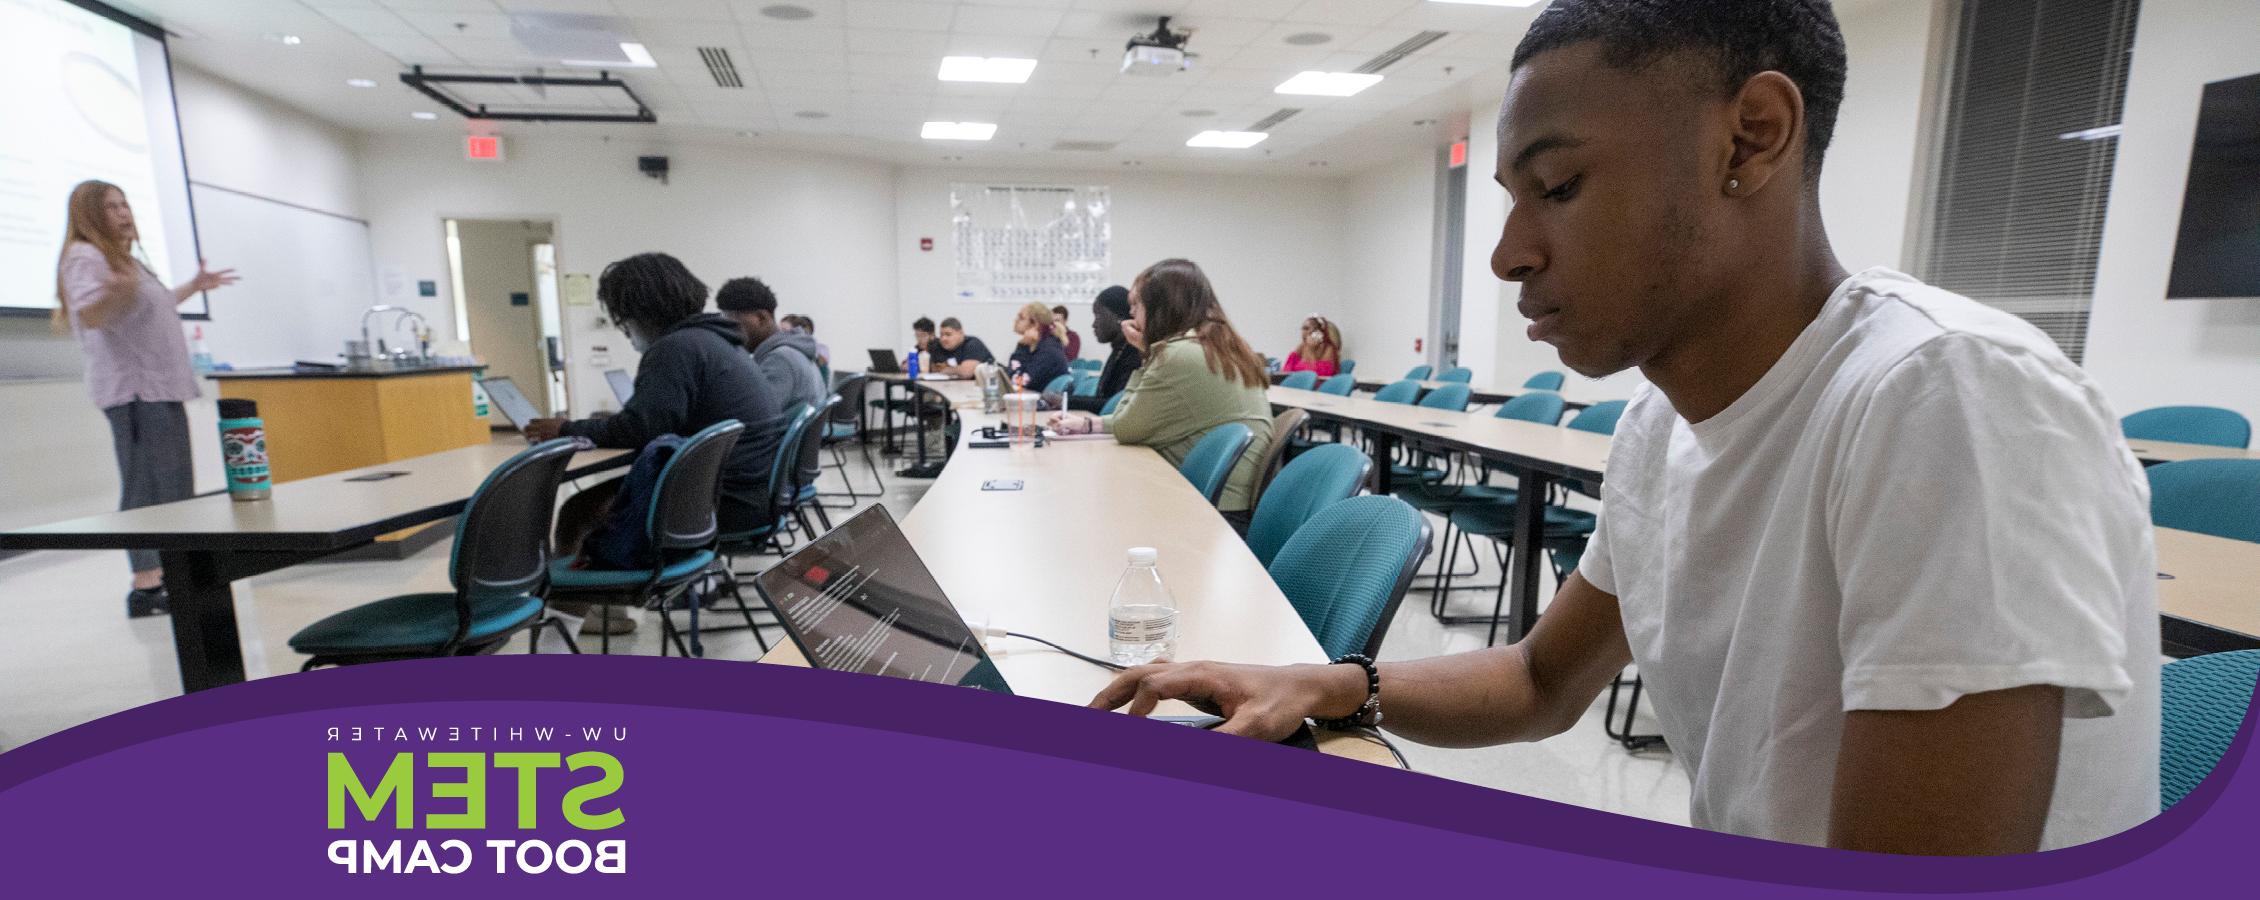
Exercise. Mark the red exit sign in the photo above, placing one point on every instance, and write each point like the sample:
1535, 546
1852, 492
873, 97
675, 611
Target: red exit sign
483, 147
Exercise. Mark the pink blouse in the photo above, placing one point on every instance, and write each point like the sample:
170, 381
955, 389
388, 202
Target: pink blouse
1296, 363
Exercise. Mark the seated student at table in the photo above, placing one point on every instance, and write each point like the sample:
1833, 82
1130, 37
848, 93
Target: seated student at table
1320, 350
807, 326
694, 372
1110, 316
1038, 357
1074, 342
956, 353
1878, 550
788, 358
922, 336
1198, 375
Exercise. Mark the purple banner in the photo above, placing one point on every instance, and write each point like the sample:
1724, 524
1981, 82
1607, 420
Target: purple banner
581, 776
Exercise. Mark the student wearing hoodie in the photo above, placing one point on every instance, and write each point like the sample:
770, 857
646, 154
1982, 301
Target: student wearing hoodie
788, 358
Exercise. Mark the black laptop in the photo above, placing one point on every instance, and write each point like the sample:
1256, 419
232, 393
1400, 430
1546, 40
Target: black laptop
860, 600
884, 362
623, 384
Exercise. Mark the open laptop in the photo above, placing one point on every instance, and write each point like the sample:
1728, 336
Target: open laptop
860, 600
511, 402
623, 384
883, 362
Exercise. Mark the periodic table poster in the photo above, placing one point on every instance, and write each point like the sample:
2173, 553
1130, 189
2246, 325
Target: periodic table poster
1030, 244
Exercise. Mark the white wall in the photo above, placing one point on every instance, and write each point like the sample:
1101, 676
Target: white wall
1389, 215
819, 230
1273, 247
234, 139
1867, 188
2143, 349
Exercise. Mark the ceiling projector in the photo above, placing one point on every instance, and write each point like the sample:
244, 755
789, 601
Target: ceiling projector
1157, 54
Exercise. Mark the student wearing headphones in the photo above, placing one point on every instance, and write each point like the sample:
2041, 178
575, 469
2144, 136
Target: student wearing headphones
1319, 351
1879, 551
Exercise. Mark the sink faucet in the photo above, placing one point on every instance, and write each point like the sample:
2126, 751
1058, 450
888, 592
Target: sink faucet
415, 332
403, 315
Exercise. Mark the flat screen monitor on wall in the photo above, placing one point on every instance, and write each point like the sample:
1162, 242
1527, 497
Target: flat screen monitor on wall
90, 95
2217, 251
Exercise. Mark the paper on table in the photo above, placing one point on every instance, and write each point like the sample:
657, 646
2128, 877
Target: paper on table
1051, 435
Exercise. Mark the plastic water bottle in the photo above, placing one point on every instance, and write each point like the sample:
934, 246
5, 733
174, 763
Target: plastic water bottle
200, 354
1142, 618
911, 365
243, 449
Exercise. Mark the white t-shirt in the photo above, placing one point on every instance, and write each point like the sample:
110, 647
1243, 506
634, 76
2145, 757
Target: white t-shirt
1922, 499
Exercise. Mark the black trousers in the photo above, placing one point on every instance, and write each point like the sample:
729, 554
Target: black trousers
154, 463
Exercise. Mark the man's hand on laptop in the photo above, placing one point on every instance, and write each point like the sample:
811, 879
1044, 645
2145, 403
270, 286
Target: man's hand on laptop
540, 430
1264, 702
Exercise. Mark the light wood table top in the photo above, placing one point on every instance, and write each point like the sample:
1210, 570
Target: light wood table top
2215, 583
326, 512
1043, 560
2168, 451
1566, 451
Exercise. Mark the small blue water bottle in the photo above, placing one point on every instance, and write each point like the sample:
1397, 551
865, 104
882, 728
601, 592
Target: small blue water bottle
911, 367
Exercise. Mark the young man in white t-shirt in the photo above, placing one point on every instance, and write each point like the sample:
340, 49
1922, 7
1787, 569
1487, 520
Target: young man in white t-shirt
1880, 552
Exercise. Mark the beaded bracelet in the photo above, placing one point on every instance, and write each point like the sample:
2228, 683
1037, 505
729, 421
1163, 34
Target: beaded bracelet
1369, 712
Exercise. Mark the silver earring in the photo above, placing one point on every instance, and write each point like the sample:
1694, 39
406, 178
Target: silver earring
1734, 184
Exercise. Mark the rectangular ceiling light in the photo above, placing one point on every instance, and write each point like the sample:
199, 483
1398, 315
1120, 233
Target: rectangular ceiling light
1327, 84
1490, 2
994, 70
635, 55
958, 131
1229, 140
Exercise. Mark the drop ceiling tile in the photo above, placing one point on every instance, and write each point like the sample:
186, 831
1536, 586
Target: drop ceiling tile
899, 14
1351, 12
1005, 20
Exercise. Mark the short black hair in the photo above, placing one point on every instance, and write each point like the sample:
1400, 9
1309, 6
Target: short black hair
1740, 38
952, 322
653, 290
923, 324
746, 295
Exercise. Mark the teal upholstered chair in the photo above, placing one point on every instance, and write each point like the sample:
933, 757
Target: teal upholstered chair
499, 570
1347, 366
1420, 465
1405, 391
1541, 407
1347, 569
2205, 699
845, 425
1061, 384
1301, 381
2220, 497
1325, 475
1086, 365
1544, 381
2189, 425
1339, 385
1087, 384
1457, 375
1419, 373
1209, 465
1566, 529
1113, 403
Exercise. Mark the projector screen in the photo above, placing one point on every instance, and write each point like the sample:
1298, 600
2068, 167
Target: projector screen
88, 94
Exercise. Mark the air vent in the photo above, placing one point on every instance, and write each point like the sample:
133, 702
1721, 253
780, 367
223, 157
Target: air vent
1394, 54
1266, 123
718, 64
1083, 146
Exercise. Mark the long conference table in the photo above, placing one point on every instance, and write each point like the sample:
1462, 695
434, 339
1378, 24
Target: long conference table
2208, 587
1043, 561
208, 543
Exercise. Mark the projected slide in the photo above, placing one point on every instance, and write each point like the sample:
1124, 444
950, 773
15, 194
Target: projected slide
87, 97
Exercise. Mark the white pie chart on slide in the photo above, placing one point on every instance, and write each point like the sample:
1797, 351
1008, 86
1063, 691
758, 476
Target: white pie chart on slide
109, 103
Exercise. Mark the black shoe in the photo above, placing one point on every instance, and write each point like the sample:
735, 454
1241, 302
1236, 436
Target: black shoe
141, 603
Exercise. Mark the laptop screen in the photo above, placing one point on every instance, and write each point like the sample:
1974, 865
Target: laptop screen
623, 384
860, 600
514, 405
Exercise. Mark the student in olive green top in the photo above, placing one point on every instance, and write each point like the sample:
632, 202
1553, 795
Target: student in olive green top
1202, 375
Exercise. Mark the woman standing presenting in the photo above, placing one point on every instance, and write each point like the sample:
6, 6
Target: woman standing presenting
136, 360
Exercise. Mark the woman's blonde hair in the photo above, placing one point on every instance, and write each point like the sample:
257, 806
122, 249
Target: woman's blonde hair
89, 223
1331, 350
1041, 315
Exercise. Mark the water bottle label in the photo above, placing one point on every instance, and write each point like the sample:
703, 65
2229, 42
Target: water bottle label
1141, 630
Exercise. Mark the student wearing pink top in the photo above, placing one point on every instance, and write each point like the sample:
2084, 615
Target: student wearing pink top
136, 362
1320, 350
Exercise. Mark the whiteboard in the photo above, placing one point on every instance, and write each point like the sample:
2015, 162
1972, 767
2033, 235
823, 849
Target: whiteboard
307, 276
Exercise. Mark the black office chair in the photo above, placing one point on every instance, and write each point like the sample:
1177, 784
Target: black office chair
770, 537
845, 424
808, 465
499, 567
680, 524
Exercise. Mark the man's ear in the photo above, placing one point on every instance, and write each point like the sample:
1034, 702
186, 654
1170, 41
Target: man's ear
1767, 129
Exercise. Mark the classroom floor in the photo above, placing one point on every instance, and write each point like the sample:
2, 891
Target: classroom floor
68, 655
